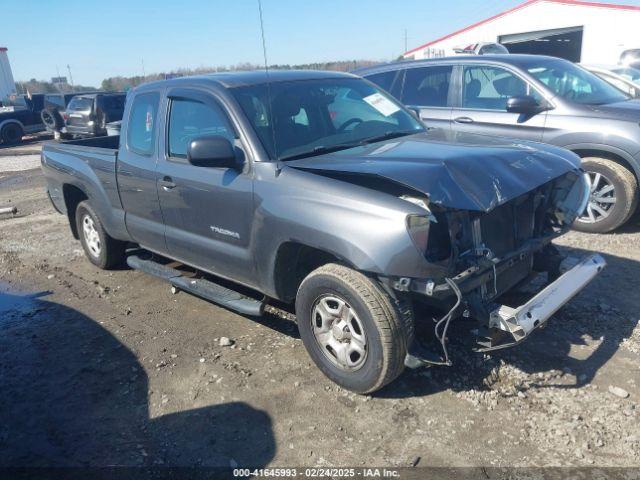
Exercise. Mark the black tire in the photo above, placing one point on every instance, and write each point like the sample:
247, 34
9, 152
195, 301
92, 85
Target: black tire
111, 252
51, 119
11, 133
388, 327
625, 191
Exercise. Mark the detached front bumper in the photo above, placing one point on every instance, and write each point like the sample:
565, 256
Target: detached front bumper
509, 326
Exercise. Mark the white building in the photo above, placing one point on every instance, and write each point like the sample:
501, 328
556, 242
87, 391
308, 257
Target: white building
7, 85
580, 31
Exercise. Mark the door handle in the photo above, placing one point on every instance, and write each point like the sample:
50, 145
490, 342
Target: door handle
167, 183
463, 120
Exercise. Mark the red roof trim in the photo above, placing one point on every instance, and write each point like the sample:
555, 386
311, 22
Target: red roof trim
523, 5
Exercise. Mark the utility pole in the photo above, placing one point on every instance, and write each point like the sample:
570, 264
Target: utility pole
144, 75
406, 48
70, 76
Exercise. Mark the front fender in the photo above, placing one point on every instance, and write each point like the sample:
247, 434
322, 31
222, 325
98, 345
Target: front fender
365, 228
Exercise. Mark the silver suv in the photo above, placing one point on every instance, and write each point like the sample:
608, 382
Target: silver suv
538, 98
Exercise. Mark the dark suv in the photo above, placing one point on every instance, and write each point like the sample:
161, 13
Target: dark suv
87, 115
536, 98
55, 105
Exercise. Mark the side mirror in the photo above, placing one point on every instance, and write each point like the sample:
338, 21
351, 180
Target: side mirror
523, 104
212, 151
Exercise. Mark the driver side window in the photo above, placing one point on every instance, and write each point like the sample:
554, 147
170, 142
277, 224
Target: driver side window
190, 119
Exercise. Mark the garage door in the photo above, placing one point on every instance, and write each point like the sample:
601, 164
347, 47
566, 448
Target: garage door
559, 42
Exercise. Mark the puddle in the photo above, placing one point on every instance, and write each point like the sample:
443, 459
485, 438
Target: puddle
17, 306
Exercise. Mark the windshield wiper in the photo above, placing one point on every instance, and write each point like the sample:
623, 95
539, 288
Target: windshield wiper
388, 135
319, 151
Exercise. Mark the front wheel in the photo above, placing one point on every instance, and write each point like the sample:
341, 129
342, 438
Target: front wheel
102, 250
613, 196
353, 331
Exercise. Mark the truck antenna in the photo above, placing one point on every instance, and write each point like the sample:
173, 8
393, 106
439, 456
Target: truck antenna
266, 70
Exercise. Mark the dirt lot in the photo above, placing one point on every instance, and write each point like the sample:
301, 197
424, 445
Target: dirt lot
104, 368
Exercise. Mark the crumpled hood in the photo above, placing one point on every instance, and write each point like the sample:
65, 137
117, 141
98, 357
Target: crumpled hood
455, 170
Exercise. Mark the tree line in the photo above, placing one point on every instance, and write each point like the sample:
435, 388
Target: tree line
121, 84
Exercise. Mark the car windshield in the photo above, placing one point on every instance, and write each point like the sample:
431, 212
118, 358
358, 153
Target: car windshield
574, 83
629, 73
310, 117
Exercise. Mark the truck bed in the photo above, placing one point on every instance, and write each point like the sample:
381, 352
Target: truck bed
88, 166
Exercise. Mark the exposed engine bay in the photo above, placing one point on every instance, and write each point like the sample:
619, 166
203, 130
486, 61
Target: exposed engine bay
483, 255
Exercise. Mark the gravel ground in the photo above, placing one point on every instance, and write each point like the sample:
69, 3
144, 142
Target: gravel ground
102, 368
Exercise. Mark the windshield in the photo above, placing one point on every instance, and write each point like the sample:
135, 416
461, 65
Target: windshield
309, 117
573, 83
629, 73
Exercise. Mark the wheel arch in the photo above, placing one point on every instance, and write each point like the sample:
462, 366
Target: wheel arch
294, 261
73, 195
611, 153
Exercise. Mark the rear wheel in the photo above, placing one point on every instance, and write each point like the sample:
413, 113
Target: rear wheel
354, 332
613, 197
11, 133
102, 250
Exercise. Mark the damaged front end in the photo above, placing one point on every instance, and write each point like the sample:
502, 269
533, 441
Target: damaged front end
482, 255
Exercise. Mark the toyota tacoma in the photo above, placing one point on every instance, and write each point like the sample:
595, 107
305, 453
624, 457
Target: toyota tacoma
319, 190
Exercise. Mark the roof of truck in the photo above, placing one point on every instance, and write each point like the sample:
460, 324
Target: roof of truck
254, 77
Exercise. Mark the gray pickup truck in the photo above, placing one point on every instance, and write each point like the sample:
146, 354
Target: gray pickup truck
320, 190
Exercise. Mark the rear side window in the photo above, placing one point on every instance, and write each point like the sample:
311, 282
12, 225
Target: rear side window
383, 80
189, 120
115, 102
142, 123
427, 86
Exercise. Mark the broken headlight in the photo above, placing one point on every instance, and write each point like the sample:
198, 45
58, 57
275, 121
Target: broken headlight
418, 228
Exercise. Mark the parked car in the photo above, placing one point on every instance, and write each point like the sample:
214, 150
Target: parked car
630, 58
21, 116
55, 106
87, 115
538, 98
625, 79
249, 177
483, 48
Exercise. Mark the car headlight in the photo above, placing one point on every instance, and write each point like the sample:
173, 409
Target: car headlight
418, 228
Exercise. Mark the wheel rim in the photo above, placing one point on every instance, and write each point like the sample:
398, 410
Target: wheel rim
91, 237
602, 199
339, 332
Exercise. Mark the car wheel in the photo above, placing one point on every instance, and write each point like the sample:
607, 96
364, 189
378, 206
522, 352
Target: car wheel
613, 198
354, 332
102, 250
11, 133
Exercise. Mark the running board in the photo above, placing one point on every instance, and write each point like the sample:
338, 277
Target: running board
199, 287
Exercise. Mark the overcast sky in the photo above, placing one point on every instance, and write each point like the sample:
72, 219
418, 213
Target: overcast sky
99, 39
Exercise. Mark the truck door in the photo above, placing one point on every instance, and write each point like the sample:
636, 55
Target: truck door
136, 173
208, 212
482, 104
